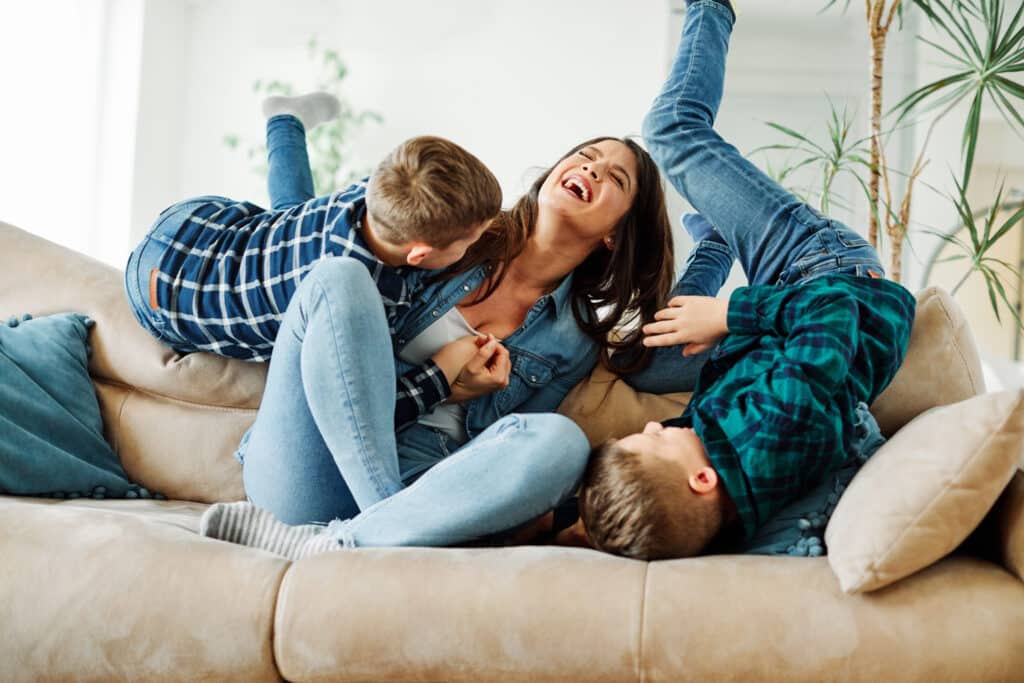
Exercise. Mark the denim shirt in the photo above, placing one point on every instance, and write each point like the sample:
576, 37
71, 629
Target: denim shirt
549, 352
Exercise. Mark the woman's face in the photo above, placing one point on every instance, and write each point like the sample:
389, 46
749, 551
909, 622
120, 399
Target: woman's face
593, 188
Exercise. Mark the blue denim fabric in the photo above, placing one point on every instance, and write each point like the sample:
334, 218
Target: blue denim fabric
319, 429
319, 450
289, 177
550, 354
777, 238
145, 257
516, 470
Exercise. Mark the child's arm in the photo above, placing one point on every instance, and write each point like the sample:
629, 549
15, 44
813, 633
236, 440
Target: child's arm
462, 370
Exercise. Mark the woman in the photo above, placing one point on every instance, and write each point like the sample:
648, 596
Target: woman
592, 232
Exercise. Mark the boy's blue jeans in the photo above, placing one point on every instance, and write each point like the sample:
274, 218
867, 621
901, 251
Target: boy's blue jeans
323, 446
777, 238
289, 183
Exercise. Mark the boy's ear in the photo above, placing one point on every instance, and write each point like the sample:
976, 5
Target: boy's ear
704, 480
417, 253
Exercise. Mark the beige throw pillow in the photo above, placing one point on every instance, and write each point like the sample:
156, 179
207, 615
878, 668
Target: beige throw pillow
925, 490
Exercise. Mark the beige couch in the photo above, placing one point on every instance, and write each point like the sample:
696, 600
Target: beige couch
127, 590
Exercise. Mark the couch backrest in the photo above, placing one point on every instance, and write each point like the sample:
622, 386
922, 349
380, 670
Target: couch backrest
175, 420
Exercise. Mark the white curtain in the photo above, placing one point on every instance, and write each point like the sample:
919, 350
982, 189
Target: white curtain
70, 83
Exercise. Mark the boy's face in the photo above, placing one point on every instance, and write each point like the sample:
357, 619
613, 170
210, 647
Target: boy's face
434, 258
677, 445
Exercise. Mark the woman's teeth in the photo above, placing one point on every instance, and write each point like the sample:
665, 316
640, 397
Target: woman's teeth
577, 188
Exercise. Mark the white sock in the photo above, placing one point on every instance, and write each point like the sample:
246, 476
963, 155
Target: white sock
311, 109
248, 524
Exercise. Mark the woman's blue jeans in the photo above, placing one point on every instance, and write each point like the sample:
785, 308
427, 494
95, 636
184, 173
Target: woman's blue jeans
777, 238
323, 446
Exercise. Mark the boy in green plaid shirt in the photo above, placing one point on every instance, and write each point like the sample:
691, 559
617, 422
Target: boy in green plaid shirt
817, 333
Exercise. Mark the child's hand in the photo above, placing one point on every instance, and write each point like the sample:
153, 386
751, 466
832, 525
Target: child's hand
697, 322
486, 371
454, 356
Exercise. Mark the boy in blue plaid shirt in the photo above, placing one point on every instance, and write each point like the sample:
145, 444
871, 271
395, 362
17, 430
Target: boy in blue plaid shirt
217, 275
816, 334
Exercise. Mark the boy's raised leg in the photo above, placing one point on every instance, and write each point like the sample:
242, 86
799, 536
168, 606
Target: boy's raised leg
770, 230
289, 178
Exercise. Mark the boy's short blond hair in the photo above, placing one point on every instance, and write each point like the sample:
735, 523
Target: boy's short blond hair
643, 507
431, 190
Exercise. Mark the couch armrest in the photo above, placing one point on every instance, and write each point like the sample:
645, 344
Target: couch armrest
1008, 515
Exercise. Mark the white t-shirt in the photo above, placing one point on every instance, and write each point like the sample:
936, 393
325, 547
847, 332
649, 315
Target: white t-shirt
450, 418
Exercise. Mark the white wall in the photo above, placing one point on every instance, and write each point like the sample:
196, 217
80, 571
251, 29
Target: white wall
516, 83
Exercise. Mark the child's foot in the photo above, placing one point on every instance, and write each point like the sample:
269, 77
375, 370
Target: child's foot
247, 524
311, 109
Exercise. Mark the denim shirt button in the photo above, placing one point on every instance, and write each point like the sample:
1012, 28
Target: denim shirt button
465, 288
435, 313
533, 378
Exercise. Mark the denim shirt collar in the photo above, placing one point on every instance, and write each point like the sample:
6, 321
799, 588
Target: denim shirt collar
562, 295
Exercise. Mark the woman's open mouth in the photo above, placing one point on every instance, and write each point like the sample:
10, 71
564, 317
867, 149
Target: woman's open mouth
578, 186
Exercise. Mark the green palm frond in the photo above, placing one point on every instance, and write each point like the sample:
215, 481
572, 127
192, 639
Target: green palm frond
988, 48
983, 231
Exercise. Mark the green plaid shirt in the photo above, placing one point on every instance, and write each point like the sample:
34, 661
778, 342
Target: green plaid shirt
775, 406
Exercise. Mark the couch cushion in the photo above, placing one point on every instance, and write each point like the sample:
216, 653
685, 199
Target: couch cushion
925, 490
545, 614
942, 364
183, 416
108, 595
417, 614
785, 619
605, 407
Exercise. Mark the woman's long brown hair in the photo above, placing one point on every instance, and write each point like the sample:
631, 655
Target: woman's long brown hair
626, 284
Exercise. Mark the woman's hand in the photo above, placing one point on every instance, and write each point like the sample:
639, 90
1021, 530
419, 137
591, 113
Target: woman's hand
697, 322
486, 371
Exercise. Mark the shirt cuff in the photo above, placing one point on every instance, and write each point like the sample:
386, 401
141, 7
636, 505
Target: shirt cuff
743, 316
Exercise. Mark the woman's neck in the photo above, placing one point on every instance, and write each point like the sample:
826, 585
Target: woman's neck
547, 259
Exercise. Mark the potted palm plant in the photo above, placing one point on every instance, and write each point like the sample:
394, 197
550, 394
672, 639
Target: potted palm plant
982, 45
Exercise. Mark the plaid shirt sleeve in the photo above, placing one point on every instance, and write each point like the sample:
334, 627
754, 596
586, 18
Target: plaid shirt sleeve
780, 427
419, 391
819, 326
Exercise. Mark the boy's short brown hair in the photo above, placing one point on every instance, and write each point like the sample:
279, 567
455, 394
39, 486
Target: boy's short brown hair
431, 190
643, 507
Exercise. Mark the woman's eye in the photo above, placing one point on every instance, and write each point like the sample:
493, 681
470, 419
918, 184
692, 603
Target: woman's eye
586, 156
619, 181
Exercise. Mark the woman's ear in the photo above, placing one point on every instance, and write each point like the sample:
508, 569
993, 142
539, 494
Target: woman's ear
609, 242
704, 480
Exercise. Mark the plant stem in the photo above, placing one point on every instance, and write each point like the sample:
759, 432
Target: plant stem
962, 281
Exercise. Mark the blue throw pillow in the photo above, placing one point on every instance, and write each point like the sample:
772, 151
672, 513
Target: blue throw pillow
51, 431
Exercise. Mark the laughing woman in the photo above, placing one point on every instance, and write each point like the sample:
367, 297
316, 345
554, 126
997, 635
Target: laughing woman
514, 326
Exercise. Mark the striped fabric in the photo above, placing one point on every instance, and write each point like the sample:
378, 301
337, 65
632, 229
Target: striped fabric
776, 405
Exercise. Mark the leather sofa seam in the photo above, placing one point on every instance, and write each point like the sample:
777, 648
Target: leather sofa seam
643, 627
955, 340
275, 609
134, 389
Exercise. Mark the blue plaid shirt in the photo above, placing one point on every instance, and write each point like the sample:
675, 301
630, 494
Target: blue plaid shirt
227, 277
